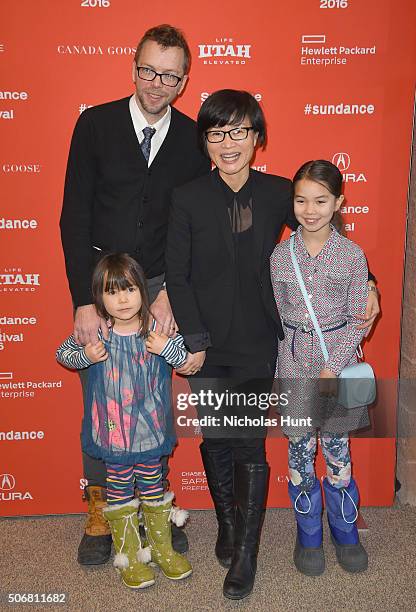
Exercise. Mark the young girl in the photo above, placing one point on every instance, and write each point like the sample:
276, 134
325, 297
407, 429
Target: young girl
128, 420
334, 271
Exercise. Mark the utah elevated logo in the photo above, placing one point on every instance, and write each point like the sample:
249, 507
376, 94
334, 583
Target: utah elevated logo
224, 51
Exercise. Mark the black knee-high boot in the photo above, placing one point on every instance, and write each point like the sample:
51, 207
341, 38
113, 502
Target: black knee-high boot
250, 486
219, 470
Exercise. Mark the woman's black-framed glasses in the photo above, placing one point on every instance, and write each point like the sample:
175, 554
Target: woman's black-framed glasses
238, 133
147, 74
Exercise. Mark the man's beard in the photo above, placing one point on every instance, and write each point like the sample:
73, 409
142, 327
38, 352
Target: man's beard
155, 109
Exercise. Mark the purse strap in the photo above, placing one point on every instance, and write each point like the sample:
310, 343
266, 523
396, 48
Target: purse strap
305, 296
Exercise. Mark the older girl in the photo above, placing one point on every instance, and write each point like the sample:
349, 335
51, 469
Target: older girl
334, 270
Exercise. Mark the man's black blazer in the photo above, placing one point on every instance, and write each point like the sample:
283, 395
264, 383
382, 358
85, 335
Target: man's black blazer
113, 200
200, 267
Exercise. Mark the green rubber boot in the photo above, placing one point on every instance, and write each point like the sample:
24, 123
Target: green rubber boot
130, 557
157, 522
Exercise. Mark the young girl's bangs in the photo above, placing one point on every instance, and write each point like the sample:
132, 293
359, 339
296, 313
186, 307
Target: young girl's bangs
117, 272
117, 280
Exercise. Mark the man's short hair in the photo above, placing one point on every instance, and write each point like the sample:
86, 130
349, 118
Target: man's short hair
166, 36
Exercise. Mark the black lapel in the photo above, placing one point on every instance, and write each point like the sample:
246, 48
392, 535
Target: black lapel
260, 209
217, 203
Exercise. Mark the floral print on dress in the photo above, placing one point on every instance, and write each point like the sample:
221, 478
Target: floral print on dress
113, 374
130, 414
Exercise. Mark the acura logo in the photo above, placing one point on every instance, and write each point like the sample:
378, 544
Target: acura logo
7, 482
341, 161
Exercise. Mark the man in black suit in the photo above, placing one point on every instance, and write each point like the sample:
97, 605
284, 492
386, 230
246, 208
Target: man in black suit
126, 156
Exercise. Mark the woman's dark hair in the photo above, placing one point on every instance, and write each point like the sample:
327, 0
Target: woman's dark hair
326, 174
229, 107
117, 272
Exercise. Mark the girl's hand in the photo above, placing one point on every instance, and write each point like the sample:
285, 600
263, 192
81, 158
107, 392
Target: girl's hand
193, 363
328, 383
96, 352
155, 343
371, 311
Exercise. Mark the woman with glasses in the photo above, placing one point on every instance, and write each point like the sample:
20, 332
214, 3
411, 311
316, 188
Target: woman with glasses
222, 231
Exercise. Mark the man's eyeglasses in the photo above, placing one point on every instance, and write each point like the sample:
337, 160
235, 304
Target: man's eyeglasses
238, 133
147, 74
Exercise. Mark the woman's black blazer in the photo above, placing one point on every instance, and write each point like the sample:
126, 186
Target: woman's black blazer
200, 267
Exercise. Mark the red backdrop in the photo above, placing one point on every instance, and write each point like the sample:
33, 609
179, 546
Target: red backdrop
336, 81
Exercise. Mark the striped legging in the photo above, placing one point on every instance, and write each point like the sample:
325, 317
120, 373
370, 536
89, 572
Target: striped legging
122, 480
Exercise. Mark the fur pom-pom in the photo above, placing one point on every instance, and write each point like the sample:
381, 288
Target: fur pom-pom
179, 516
144, 555
121, 561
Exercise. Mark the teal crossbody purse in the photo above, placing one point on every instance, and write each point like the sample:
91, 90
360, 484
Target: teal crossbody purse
356, 383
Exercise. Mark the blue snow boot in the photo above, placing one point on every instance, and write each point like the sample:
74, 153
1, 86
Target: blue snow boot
309, 554
342, 510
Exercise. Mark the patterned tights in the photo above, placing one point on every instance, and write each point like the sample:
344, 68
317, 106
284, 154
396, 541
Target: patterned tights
302, 452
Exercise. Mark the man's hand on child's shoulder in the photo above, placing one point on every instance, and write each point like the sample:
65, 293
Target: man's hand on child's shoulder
155, 343
96, 351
